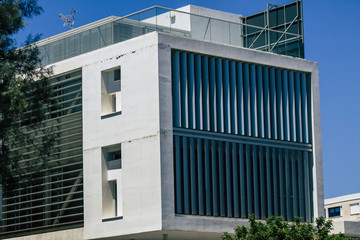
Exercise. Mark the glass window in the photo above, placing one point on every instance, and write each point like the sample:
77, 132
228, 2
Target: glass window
334, 212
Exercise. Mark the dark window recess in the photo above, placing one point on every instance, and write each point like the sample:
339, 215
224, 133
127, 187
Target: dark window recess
334, 212
117, 74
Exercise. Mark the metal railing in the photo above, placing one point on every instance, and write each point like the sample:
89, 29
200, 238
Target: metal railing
114, 29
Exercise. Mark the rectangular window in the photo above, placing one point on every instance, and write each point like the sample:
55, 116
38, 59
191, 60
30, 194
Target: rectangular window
354, 208
335, 212
111, 91
111, 190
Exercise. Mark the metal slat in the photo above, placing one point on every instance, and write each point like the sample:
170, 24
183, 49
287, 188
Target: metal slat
256, 188
292, 117
253, 101
198, 93
191, 90
233, 97
183, 89
219, 96
212, 95
279, 105
299, 137
205, 93
186, 175
200, 177
222, 180
229, 180
267, 119
214, 173
269, 191
193, 178
178, 175
243, 191
247, 115
239, 99
260, 98
235, 179
249, 180
262, 178
175, 70
226, 96
207, 163
285, 101
273, 105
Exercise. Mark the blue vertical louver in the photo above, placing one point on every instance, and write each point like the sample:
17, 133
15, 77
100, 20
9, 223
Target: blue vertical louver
242, 138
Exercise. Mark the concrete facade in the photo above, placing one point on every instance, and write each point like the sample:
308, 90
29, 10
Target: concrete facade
348, 220
142, 206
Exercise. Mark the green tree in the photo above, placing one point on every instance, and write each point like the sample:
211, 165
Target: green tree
24, 98
276, 228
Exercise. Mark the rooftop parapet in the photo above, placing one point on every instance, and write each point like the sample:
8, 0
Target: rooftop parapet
278, 30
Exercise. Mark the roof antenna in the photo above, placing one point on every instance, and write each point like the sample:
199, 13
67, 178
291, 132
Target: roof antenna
69, 20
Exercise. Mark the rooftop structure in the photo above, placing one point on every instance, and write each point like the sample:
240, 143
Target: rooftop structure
176, 124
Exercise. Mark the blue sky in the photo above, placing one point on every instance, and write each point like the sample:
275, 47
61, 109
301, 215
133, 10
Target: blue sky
332, 36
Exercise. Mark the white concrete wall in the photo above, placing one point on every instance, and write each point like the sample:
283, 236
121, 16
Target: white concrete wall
137, 129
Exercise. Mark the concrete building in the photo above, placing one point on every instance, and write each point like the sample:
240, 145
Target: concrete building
176, 125
344, 211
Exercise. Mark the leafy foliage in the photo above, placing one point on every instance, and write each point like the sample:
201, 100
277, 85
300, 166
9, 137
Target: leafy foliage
24, 99
275, 228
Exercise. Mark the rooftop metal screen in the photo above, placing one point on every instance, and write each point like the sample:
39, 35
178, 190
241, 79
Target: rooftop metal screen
281, 30
55, 199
